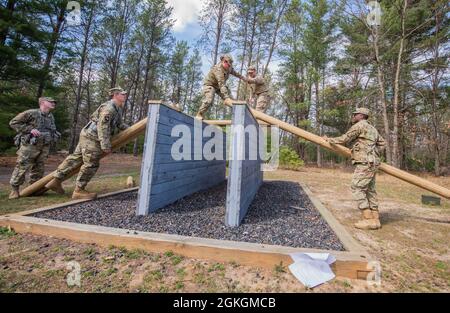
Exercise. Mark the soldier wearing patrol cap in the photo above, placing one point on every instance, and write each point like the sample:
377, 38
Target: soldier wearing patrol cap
36, 131
259, 90
215, 83
367, 146
95, 140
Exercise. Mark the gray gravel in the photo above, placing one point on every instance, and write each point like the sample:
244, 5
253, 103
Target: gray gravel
281, 214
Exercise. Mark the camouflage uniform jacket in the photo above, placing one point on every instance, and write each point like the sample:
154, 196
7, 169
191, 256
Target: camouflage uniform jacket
217, 78
258, 85
105, 121
26, 121
367, 144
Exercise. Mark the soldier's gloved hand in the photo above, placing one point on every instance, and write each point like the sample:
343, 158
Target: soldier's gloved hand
228, 102
35, 133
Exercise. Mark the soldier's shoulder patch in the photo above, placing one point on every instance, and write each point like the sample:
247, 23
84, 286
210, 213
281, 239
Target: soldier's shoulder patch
106, 118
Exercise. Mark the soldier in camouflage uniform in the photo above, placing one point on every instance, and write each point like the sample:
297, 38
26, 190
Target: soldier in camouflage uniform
36, 131
95, 140
259, 90
367, 145
215, 83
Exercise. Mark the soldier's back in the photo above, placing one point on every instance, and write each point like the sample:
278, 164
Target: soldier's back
364, 147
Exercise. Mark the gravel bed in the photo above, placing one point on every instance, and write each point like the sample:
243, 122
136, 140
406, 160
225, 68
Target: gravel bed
281, 214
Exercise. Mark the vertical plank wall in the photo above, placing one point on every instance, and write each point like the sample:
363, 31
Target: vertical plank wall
165, 180
245, 175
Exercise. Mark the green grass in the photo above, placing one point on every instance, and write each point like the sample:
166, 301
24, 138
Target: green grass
176, 259
6, 233
280, 268
169, 254
216, 267
441, 266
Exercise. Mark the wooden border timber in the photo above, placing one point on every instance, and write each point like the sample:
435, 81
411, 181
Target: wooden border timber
350, 264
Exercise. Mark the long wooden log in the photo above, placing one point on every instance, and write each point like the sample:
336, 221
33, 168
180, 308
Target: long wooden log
388, 169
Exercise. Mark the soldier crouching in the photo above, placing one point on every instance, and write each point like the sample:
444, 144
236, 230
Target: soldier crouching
215, 83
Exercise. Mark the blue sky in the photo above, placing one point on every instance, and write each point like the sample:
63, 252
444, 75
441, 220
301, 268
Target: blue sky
187, 27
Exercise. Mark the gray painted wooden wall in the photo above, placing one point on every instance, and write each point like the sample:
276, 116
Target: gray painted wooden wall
245, 175
165, 180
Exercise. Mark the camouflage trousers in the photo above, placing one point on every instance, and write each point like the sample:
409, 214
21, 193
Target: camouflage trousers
363, 187
262, 102
208, 97
29, 158
87, 154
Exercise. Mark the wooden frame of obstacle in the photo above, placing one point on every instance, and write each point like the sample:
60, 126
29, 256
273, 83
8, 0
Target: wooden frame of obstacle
352, 263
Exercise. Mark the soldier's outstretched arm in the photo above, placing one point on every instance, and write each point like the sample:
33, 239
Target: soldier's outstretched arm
236, 74
349, 136
104, 130
20, 123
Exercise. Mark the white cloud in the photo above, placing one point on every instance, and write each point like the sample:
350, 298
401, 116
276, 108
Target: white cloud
185, 12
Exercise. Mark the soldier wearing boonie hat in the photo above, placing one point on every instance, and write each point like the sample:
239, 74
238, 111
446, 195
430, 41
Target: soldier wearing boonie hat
95, 140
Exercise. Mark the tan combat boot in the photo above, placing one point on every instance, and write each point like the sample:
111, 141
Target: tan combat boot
368, 222
376, 217
81, 194
15, 194
56, 185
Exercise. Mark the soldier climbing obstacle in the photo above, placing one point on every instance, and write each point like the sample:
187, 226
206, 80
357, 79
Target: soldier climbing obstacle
36, 132
95, 140
367, 145
215, 83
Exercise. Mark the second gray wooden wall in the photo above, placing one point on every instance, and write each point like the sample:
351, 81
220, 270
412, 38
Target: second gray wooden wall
245, 175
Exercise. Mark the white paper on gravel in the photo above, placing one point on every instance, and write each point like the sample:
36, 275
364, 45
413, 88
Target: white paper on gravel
312, 269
